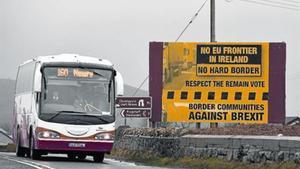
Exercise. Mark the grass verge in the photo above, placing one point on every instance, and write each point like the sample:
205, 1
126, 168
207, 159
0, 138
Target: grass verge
149, 158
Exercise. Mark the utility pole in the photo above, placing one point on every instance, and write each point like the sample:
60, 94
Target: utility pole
213, 33
212, 21
212, 39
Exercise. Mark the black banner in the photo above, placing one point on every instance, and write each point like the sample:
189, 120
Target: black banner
229, 54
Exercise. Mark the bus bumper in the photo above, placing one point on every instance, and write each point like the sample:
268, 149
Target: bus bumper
64, 146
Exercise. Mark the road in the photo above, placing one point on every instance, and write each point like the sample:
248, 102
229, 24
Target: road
10, 161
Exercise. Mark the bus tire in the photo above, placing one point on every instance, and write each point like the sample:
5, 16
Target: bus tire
81, 156
98, 158
34, 154
71, 156
20, 151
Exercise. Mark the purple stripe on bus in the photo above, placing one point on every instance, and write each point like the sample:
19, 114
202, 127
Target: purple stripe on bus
64, 146
155, 79
277, 65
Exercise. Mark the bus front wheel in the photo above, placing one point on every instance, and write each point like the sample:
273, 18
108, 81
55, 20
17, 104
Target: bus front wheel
81, 156
71, 156
98, 158
34, 154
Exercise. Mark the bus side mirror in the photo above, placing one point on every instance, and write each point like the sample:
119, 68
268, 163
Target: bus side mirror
37, 87
119, 84
37, 96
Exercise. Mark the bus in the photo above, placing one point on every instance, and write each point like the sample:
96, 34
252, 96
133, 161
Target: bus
65, 104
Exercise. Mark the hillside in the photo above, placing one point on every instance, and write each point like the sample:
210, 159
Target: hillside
6, 102
129, 90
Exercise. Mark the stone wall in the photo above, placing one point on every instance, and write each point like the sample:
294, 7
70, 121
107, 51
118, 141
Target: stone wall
254, 149
245, 148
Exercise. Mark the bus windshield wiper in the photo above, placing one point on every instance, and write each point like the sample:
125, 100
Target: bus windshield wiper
82, 113
98, 117
64, 111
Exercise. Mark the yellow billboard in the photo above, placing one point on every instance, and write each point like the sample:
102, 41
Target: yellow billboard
215, 82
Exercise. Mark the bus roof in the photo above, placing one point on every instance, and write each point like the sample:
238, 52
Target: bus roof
69, 58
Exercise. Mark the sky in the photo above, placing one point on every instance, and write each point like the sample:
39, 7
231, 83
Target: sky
120, 31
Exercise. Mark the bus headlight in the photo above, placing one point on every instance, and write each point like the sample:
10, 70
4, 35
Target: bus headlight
49, 134
105, 136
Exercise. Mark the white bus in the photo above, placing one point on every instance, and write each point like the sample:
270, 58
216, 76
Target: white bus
65, 104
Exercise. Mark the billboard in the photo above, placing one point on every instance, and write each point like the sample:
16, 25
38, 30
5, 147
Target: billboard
214, 82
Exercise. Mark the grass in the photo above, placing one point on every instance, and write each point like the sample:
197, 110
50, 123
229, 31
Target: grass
149, 158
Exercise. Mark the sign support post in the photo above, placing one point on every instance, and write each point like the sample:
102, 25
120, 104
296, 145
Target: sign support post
212, 21
212, 36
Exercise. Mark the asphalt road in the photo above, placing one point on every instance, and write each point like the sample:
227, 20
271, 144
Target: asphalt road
10, 161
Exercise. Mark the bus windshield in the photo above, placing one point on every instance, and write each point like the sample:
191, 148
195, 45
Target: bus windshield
77, 95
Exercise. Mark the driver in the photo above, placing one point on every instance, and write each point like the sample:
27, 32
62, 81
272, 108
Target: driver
55, 97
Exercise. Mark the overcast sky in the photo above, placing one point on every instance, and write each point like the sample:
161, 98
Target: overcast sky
120, 30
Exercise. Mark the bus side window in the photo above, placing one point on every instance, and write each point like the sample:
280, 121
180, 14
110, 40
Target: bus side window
25, 78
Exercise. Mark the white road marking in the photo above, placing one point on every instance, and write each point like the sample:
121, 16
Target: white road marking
39, 164
120, 162
26, 162
36, 165
21, 162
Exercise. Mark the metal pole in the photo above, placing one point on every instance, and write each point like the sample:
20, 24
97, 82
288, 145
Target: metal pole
212, 21
213, 33
212, 39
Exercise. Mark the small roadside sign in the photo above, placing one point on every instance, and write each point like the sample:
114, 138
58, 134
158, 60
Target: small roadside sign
139, 113
134, 102
135, 107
